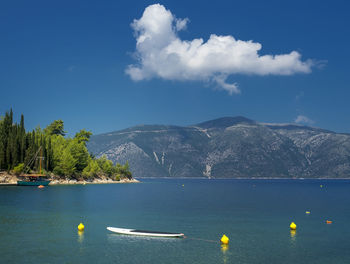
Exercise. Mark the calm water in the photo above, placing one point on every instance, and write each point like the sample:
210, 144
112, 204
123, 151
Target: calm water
41, 225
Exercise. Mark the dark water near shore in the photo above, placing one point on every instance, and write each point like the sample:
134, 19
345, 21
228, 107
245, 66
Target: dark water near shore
40, 226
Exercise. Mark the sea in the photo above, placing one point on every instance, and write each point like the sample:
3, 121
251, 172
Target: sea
40, 225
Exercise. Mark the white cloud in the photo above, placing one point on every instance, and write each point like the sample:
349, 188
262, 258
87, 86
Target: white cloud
230, 87
181, 24
161, 53
301, 119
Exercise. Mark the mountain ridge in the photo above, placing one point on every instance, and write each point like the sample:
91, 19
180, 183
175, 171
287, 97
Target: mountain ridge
228, 147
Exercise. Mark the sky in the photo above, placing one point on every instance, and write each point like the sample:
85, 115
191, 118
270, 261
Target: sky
108, 65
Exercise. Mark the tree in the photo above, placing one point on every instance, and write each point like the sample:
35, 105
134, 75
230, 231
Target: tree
5, 132
91, 170
55, 128
67, 157
2, 145
83, 136
58, 145
79, 153
106, 165
22, 139
8, 154
66, 166
49, 155
126, 171
18, 169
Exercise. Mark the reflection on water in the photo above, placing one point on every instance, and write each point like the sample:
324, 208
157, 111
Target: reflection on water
80, 236
119, 237
224, 249
293, 237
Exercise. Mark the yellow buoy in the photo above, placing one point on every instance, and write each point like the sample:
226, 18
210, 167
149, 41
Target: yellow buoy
307, 212
224, 240
293, 226
81, 227
183, 185
321, 185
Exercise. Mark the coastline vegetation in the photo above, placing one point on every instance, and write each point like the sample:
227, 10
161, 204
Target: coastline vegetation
63, 157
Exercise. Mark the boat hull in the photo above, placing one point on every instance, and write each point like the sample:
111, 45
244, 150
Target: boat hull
32, 183
135, 232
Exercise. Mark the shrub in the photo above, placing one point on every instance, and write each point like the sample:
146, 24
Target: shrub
18, 169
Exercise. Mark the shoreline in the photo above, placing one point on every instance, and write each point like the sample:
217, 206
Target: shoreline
7, 179
11, 180
253, 178
95, 181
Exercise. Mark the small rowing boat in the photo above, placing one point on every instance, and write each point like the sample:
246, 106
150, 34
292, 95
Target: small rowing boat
136, 232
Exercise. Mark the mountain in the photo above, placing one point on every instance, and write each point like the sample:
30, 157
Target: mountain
228, 147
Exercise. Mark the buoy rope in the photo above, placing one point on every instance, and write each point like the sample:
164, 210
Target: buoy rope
201, 239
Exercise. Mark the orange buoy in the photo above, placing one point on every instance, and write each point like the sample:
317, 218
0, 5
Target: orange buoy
328, 222
41, 186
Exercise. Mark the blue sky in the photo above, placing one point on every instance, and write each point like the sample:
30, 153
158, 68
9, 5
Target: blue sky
68, 60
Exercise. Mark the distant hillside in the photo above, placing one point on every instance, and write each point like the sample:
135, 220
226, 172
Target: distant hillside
228, 147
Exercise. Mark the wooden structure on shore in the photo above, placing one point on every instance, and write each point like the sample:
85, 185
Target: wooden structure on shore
30, 179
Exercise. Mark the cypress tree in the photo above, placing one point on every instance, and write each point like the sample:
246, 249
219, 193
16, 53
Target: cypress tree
8, 155
14, 146
2, 156
22, 139
5, 140
11, 117
33, 140
2, 146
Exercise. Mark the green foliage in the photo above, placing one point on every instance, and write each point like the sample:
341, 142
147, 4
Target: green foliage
106, 166
66, 165
55, 128
123, 171
18, 169
11, 137
117, 177
83, 136
79, 152
92, 170
66, 157
114, 172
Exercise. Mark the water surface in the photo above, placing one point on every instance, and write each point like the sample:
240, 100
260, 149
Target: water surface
40, 225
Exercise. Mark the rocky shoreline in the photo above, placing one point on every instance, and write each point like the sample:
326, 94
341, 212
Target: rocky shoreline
9, 179
94, 181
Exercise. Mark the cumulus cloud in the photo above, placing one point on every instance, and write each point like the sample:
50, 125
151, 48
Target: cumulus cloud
301, 119
161, 53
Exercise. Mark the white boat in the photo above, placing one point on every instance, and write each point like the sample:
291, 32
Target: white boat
136, 232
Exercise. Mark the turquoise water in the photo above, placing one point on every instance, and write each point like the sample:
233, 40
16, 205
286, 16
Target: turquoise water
40, 225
